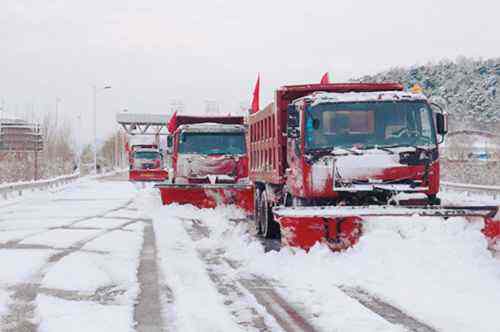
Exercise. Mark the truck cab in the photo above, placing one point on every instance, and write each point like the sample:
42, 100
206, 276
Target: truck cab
362, 147
210, 153
209, 163
146, 158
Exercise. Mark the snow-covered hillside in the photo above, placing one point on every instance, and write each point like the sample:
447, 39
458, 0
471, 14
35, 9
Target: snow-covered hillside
468, 87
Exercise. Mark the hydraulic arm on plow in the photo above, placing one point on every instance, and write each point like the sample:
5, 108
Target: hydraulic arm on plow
326, 157
209, 163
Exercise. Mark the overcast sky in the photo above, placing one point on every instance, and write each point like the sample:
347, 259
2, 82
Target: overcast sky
153, 51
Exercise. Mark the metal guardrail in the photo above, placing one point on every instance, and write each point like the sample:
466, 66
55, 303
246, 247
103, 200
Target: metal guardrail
493, 191
10, 189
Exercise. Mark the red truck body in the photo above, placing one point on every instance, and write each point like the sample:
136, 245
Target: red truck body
213, 177
150, 169
271, 153
286, 173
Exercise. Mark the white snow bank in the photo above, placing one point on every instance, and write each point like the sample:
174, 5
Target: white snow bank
440, 273
60, 315
454, 197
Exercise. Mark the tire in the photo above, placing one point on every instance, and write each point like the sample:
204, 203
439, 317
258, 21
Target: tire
256, 212
433, 200
270, 228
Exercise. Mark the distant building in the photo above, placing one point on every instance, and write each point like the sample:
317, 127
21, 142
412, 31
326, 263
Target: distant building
19, 136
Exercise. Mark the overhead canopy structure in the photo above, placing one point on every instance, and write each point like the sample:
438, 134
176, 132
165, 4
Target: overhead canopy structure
143, 124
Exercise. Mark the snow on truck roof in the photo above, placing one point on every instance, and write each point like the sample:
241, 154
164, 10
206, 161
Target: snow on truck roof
209, 127
321, 97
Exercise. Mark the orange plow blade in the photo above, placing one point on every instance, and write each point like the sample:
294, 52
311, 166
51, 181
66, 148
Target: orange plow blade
208, 195
341, 227
157, 175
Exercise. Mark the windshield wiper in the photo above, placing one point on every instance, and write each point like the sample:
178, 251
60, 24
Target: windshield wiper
378, 147
357, 153
401, 145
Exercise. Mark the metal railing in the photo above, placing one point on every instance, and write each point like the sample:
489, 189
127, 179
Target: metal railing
17, 189
493, 191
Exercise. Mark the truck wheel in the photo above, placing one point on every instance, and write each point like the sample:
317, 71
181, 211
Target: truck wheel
256, 212
270, 228
433, 200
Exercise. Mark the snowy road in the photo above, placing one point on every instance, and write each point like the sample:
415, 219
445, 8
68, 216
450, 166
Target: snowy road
104, 255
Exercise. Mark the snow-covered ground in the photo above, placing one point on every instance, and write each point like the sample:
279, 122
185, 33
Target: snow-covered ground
67, 264
439, 273
93, 257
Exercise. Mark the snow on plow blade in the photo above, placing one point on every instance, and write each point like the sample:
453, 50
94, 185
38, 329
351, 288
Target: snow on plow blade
208, 195
148, 175
340, 227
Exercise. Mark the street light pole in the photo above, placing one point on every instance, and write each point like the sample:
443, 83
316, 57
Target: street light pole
58, 100
94, 90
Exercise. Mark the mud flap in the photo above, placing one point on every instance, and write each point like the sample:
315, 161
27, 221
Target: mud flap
304, 232
208, 196
157, 175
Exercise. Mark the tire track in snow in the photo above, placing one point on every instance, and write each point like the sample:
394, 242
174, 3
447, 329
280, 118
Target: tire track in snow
21, 310
17, 242
386, 310
148, 310
280, 314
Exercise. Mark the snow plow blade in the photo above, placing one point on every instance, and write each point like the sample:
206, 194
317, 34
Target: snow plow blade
341, 227
158, 175
208, 195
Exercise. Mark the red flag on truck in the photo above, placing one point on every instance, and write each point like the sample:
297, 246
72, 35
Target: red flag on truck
325, 79
255, 99
172, 123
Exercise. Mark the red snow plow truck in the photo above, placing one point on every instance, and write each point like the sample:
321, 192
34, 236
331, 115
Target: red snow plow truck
209, 163
146, 163
325, 157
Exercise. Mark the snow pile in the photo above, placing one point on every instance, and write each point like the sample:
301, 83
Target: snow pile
430, 269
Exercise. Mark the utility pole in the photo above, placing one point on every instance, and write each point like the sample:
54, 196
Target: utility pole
2, 108
58, 100
94, 90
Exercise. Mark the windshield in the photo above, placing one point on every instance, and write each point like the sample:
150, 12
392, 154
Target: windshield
150, 155
212, 143
369, 124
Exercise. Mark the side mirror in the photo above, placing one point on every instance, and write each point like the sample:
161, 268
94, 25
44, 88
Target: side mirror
442, 123
441, 118
293, 117
170, 144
